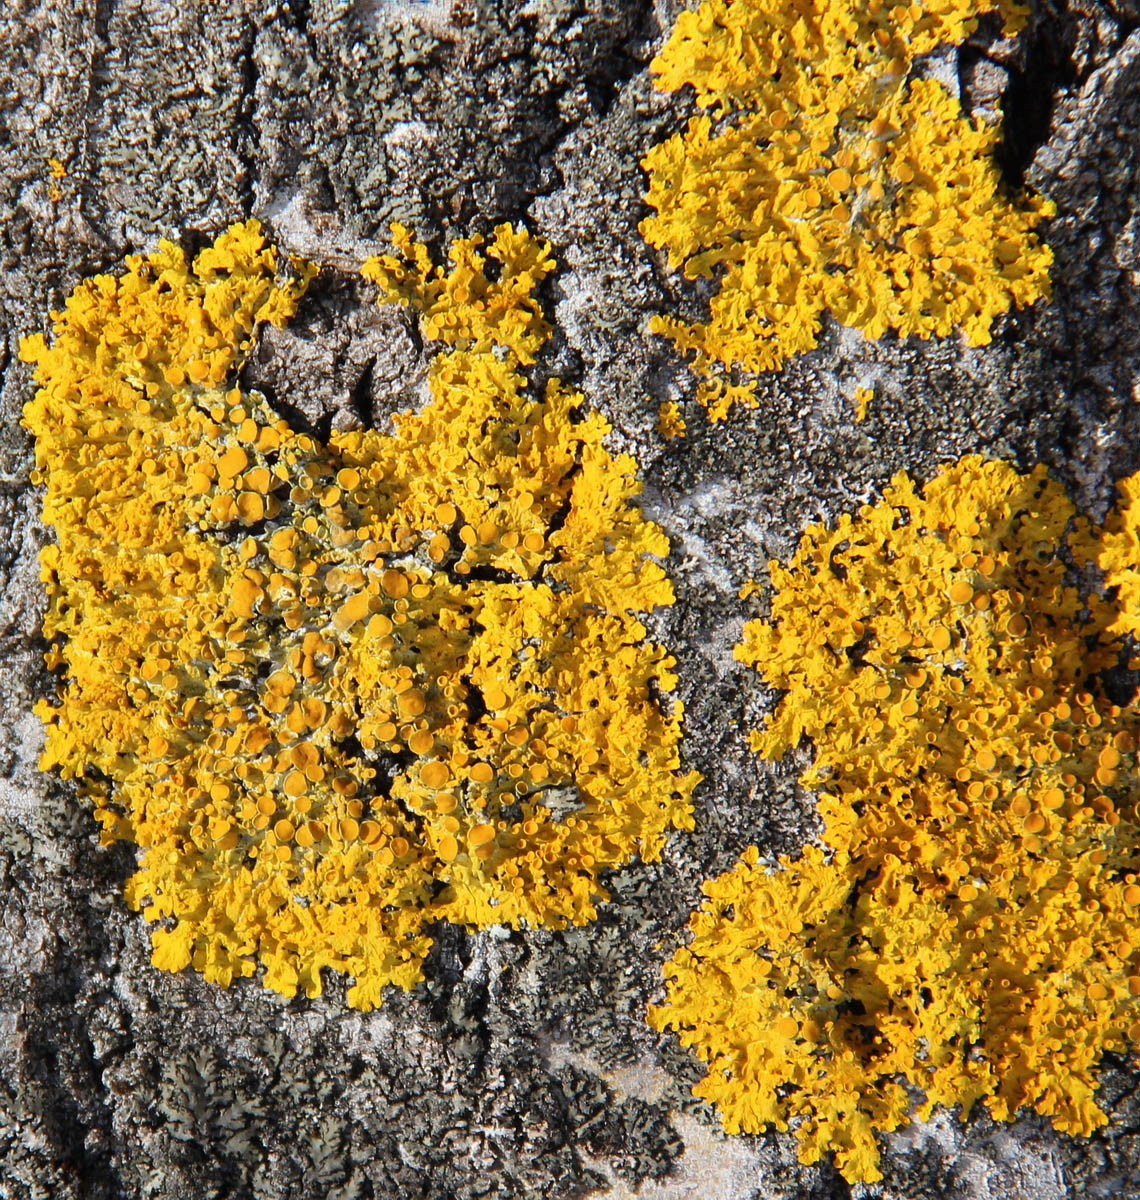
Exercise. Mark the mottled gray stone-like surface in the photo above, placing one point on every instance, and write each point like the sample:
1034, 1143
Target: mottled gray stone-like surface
523, 1066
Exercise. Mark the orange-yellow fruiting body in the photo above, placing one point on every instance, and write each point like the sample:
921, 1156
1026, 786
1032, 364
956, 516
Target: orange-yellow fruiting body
969, 924
827, 176
327, 717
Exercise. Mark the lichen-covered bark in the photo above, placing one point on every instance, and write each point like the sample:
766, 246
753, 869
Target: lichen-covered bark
523, 1067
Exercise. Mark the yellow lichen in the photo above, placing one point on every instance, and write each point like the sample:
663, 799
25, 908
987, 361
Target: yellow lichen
56, 172
1117, 553
969, 924
863, 397
338, 692
670, 423
827, 175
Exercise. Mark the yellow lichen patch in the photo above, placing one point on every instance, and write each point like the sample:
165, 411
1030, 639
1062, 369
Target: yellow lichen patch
326, 716
827, 176
1117, 552
56, 171
670, 422
863, 398
461, 306
969, 925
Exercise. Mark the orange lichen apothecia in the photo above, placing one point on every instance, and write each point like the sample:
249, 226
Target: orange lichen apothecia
827, 175
337, 692
969, 925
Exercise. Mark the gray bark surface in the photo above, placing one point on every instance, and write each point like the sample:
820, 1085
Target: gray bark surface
523, 1066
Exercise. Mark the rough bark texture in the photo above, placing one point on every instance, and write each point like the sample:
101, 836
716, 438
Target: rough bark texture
523, 1066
